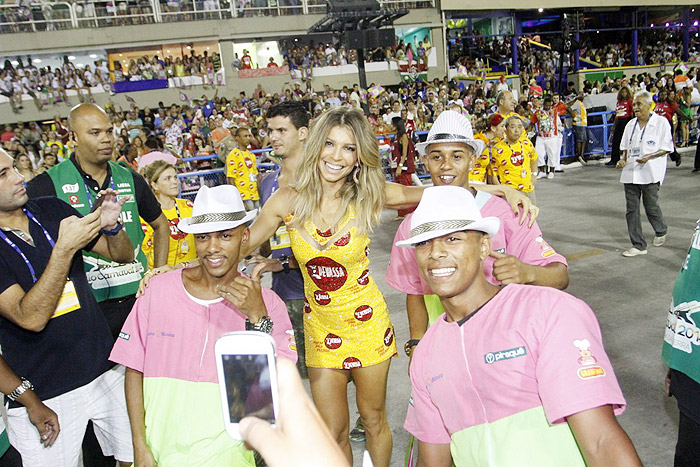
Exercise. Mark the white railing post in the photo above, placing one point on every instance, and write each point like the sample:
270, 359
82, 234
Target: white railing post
155, 5
73, 15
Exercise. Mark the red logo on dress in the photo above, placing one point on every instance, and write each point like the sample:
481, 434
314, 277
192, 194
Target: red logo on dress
325, 234
367, 251
388, 337
321, 297
521, 186
326, 273
248, 162
364, 277
351, 362
333, 342
307, 307
175, 233
517, 158
363, 313
342, 241
73, 199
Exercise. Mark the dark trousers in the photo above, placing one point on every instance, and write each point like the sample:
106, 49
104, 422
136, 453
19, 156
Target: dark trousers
696, 164
649, 194
620, 125
11, 458
115, 311
686, 391
687, 448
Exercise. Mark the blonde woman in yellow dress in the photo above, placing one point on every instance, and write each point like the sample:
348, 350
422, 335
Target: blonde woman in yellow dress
162, 178
329, 212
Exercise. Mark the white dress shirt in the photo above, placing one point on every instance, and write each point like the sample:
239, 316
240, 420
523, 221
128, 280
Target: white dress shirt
655, 136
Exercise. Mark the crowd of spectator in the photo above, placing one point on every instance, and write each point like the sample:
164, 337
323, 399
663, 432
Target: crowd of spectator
47, 85
477, 53
207, 126
306, 57
153, 67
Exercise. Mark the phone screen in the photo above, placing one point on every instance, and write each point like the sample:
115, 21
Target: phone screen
248, 386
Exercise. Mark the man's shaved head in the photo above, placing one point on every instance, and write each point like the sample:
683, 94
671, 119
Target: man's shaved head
81, 111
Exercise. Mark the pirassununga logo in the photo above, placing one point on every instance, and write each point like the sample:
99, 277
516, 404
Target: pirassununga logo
351, 362
363, 313
333, 342
322, 297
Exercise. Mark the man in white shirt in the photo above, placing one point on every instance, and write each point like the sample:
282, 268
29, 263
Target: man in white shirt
645, 143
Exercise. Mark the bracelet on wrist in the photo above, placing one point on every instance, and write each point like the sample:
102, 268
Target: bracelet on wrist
21, 389
114, 231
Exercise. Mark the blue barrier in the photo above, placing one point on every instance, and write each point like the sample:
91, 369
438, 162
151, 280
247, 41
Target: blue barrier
143, 85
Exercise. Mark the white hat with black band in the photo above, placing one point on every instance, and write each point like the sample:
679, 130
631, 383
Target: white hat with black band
216, 209
451, 127
446, 209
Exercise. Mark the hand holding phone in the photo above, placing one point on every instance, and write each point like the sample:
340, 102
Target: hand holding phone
287, 443
245, 364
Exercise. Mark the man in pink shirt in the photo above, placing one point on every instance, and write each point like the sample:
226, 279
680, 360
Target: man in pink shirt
519, 254
167, 342
510, 375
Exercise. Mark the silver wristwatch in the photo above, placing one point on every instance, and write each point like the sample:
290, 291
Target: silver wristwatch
21, 389
264, 325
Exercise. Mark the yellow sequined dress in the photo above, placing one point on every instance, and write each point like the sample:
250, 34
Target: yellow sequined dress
346, 321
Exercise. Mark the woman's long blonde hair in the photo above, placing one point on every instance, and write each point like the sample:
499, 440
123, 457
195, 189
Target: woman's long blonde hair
363, 188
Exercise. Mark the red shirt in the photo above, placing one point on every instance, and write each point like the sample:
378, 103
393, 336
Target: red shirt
666, 110
624, 109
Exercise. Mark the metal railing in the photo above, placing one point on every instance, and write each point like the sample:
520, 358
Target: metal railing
51, 16
36, 17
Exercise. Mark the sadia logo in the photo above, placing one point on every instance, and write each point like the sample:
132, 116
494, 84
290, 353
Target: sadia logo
493, 357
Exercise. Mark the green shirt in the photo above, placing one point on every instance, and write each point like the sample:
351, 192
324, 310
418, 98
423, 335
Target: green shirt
681, 349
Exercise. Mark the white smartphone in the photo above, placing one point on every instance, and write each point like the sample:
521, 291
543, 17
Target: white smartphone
245, 364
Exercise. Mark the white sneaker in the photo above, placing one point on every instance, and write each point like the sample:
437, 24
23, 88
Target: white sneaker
633, 252
541, 175
550, 175
658, 241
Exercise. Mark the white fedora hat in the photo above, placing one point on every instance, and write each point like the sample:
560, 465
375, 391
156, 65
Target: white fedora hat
451, 127
216, 209
446, 209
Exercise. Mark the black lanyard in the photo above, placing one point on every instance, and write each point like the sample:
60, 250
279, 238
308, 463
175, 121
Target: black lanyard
20, 252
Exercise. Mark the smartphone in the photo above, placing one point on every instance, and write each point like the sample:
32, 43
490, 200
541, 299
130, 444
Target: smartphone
98, 202
245, 364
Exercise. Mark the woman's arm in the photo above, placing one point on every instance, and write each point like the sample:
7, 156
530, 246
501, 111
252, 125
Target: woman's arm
271, 216
404, 154
401, 196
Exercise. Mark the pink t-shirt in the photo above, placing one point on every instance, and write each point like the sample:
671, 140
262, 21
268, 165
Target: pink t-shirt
514, 239
169, 335
528, 347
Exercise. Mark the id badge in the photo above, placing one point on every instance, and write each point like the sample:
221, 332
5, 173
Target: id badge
635, 153
280, 239
68, 301
185, 247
